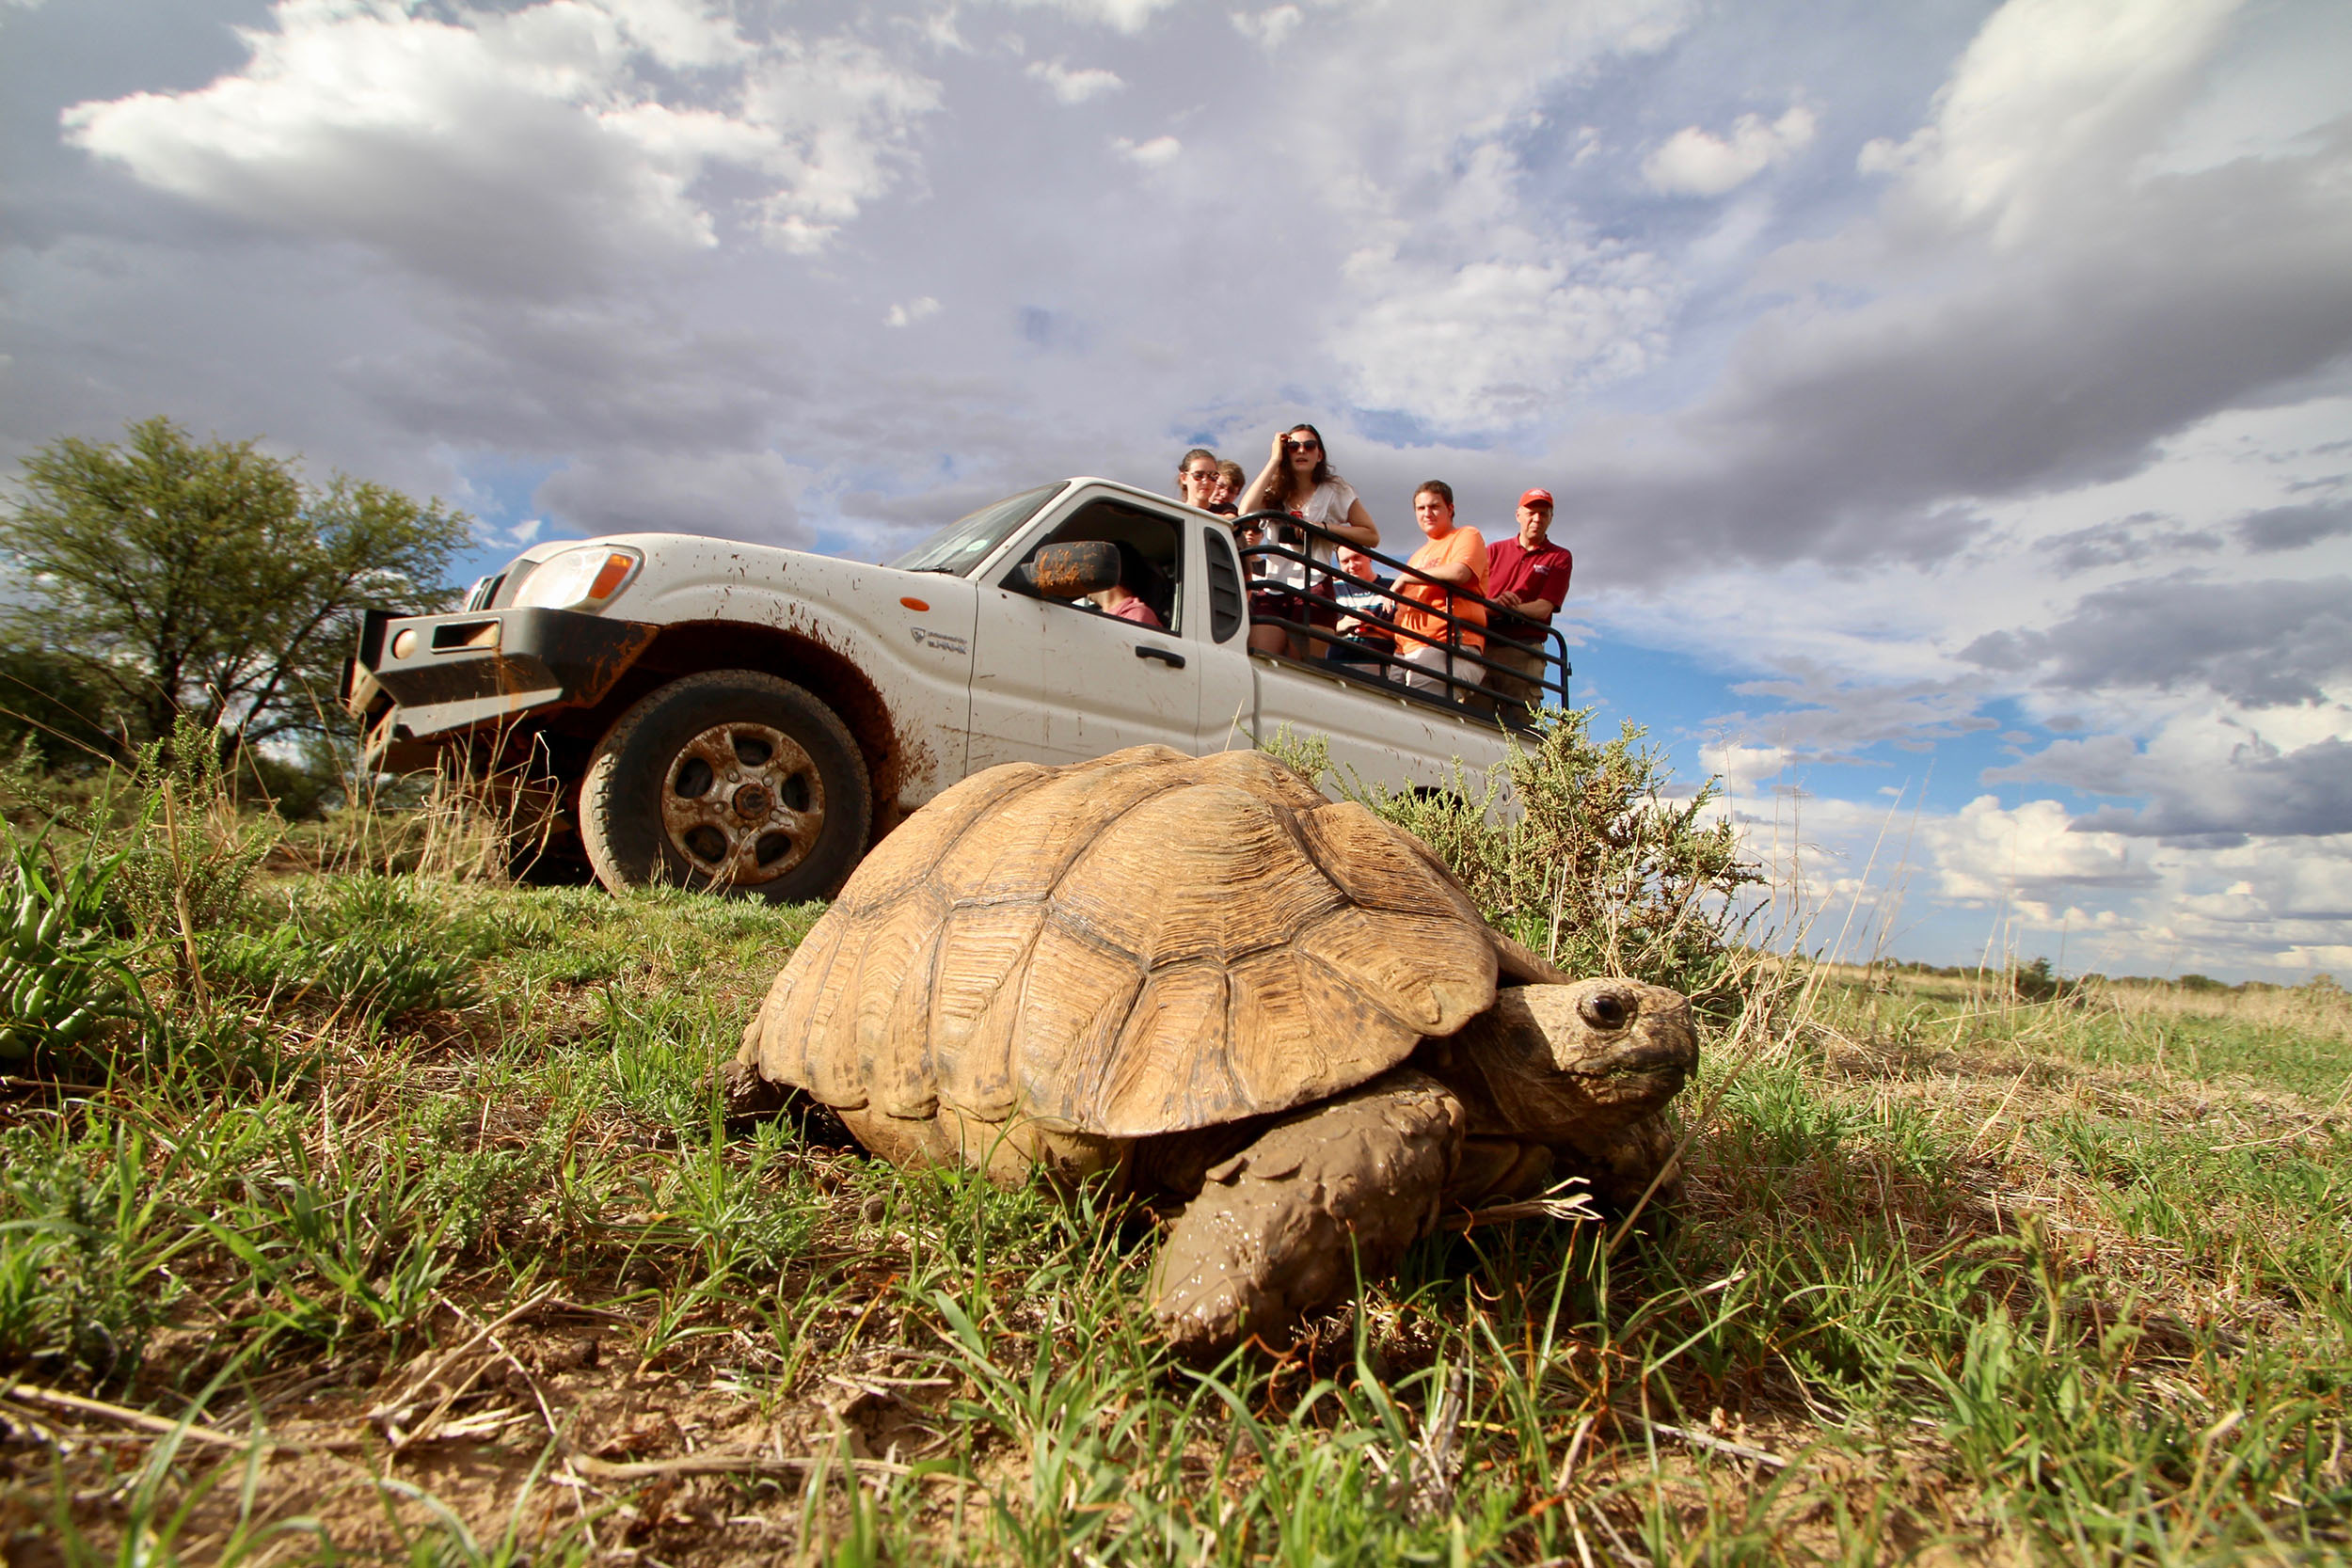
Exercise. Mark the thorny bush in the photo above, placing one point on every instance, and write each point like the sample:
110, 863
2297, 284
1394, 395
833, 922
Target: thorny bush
1596, 868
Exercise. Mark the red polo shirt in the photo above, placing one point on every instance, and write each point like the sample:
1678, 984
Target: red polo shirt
1543, 574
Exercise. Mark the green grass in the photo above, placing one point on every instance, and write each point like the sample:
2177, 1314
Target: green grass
2064, 1282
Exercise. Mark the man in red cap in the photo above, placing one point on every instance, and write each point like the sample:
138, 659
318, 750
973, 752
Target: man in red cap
1528, 575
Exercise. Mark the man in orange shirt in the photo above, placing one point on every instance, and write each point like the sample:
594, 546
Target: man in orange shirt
1455, 558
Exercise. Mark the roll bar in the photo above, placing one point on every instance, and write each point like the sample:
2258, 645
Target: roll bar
1529, 636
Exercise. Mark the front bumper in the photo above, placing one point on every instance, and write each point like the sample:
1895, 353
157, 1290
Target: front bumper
453, 674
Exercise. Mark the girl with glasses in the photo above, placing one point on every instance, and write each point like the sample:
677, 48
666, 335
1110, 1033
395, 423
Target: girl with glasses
1197, 476
1297, 479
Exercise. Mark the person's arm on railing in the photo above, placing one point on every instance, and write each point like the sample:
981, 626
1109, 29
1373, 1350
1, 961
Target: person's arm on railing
1530, 610
1360, 530
1522, 621
1461, 579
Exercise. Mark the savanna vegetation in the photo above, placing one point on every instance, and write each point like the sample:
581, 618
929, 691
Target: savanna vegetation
358, 1205
165, 577
384, 1212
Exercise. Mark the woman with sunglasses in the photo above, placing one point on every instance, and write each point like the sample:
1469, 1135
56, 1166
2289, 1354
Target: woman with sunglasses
1297, 479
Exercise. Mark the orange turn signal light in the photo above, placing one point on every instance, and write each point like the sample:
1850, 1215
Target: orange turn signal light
609, 577
915, 604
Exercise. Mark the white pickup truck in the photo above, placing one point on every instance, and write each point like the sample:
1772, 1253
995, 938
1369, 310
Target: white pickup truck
751, 718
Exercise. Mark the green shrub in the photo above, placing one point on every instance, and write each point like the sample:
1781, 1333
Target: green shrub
63, 970
81, 1281
1591, 864
190, 853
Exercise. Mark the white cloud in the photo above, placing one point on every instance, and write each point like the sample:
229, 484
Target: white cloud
2261, 905
1468, 300
2055, 99
839, 117
1692, 161
1496, 343
1989, 851
743, 494
1267, 28
1150, 154
2213, 774
680, 33
1743, 768
523, 148
914, 311
1123, 16
1075, 86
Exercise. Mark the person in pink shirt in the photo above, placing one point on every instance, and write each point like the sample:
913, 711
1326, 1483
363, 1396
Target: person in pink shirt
1529, 575
1128, 608
1123, 601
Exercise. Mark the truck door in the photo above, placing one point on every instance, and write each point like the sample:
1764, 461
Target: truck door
1228, 701
1060, 681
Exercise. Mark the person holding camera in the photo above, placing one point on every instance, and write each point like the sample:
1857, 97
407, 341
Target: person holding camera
1367, 640
1297, 479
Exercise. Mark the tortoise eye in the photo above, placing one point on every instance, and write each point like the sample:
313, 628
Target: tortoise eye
1606, 1011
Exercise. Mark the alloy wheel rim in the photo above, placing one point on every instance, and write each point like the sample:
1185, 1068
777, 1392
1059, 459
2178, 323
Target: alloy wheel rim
742, 804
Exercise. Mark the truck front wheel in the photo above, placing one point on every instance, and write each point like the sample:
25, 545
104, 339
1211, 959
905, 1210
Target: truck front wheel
732, 781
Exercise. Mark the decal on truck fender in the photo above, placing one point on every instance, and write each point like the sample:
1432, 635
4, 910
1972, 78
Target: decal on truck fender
940, 639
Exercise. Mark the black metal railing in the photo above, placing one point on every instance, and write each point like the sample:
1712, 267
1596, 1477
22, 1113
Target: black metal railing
1313, 583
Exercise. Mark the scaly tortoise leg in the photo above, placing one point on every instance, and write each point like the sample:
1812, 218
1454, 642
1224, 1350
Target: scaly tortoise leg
1281, 1228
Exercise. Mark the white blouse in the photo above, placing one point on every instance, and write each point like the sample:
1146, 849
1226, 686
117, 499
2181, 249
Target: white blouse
1327, 507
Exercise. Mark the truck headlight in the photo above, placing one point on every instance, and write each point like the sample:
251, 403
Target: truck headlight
586, 578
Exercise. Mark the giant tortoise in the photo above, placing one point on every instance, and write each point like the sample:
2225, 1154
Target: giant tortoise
1204, 978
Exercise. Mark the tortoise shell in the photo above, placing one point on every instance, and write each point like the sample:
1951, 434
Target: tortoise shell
1142, 944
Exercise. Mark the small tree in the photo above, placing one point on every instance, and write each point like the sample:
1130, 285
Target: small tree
207, 580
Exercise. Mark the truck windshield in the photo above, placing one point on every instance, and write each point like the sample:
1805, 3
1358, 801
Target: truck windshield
966, 542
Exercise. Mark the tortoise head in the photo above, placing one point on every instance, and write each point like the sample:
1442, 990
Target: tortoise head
1617, 1031
1591, 1054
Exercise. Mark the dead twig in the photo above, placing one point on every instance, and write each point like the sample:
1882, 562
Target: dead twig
1421, 1478
734, 1463
530, 1382
1710, 1442
55, 1399
388, 1413
58, 1086
1556, 1204
562, 1306
1576, 1450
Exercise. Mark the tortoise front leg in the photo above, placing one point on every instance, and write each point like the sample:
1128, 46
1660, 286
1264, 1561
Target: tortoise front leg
1280, 1229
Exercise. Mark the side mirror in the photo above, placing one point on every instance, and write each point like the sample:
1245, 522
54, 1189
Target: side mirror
1072, 570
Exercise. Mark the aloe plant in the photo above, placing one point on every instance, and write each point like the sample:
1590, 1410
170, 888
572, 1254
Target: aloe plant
62, 973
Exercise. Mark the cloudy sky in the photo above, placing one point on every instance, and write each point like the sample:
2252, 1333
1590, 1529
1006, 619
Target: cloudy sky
1951, 403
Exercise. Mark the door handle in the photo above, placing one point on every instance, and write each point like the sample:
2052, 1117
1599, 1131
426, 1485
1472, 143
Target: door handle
1168, 656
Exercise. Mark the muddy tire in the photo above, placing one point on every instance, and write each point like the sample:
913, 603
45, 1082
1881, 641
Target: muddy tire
731, 780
